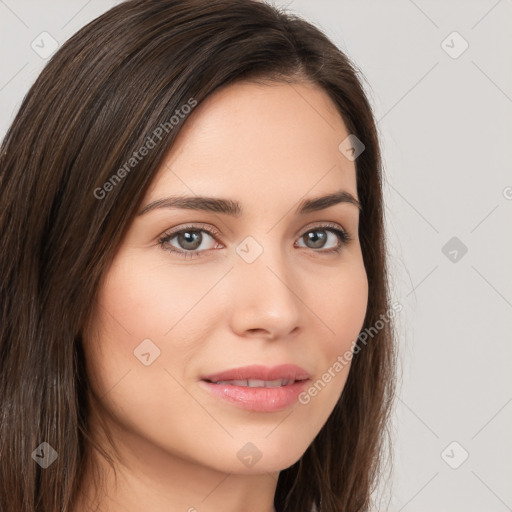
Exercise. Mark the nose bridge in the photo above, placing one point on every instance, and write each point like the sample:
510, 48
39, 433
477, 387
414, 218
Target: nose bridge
266, 296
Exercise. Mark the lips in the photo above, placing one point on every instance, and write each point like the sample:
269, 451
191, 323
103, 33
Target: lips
260, 376
258, 388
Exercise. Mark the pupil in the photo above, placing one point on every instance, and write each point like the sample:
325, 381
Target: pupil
190, 237
318, 241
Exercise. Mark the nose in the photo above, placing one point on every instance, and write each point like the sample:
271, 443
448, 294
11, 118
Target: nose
266, 300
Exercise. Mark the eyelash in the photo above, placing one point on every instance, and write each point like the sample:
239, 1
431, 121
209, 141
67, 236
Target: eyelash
167, 237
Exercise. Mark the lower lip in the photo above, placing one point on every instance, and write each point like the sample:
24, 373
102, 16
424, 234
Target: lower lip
258, 399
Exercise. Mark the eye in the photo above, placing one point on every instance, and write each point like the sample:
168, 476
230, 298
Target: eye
190, 240
318, 238
195, 240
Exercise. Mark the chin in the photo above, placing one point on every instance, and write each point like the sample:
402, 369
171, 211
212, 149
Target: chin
254, 459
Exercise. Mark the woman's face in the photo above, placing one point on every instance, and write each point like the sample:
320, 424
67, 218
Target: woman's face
263, 287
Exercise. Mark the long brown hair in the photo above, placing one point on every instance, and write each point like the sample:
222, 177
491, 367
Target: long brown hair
109, 87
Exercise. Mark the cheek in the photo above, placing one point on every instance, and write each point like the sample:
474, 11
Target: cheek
142, 299
140, 304
139, 297
145, 307
341, 308
341, 303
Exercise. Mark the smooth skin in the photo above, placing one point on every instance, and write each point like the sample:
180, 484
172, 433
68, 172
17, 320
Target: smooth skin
267, 146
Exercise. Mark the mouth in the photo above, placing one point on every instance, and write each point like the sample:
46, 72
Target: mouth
260, 375
258, 388
256, 383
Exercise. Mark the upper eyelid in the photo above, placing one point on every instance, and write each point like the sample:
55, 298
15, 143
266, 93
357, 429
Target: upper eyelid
215, 232
335, 228
192, 227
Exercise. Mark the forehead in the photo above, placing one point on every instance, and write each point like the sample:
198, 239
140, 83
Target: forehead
248, 137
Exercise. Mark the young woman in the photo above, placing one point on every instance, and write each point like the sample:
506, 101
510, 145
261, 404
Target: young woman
194, 299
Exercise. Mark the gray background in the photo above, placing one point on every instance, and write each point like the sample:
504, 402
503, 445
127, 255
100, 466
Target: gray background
446, 130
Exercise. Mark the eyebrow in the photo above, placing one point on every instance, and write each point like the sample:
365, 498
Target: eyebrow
234, 208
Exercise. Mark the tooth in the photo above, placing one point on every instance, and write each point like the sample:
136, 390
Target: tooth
274, 383
255, 383
233, 382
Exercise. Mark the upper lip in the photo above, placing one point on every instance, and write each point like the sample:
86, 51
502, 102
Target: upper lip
260, 372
